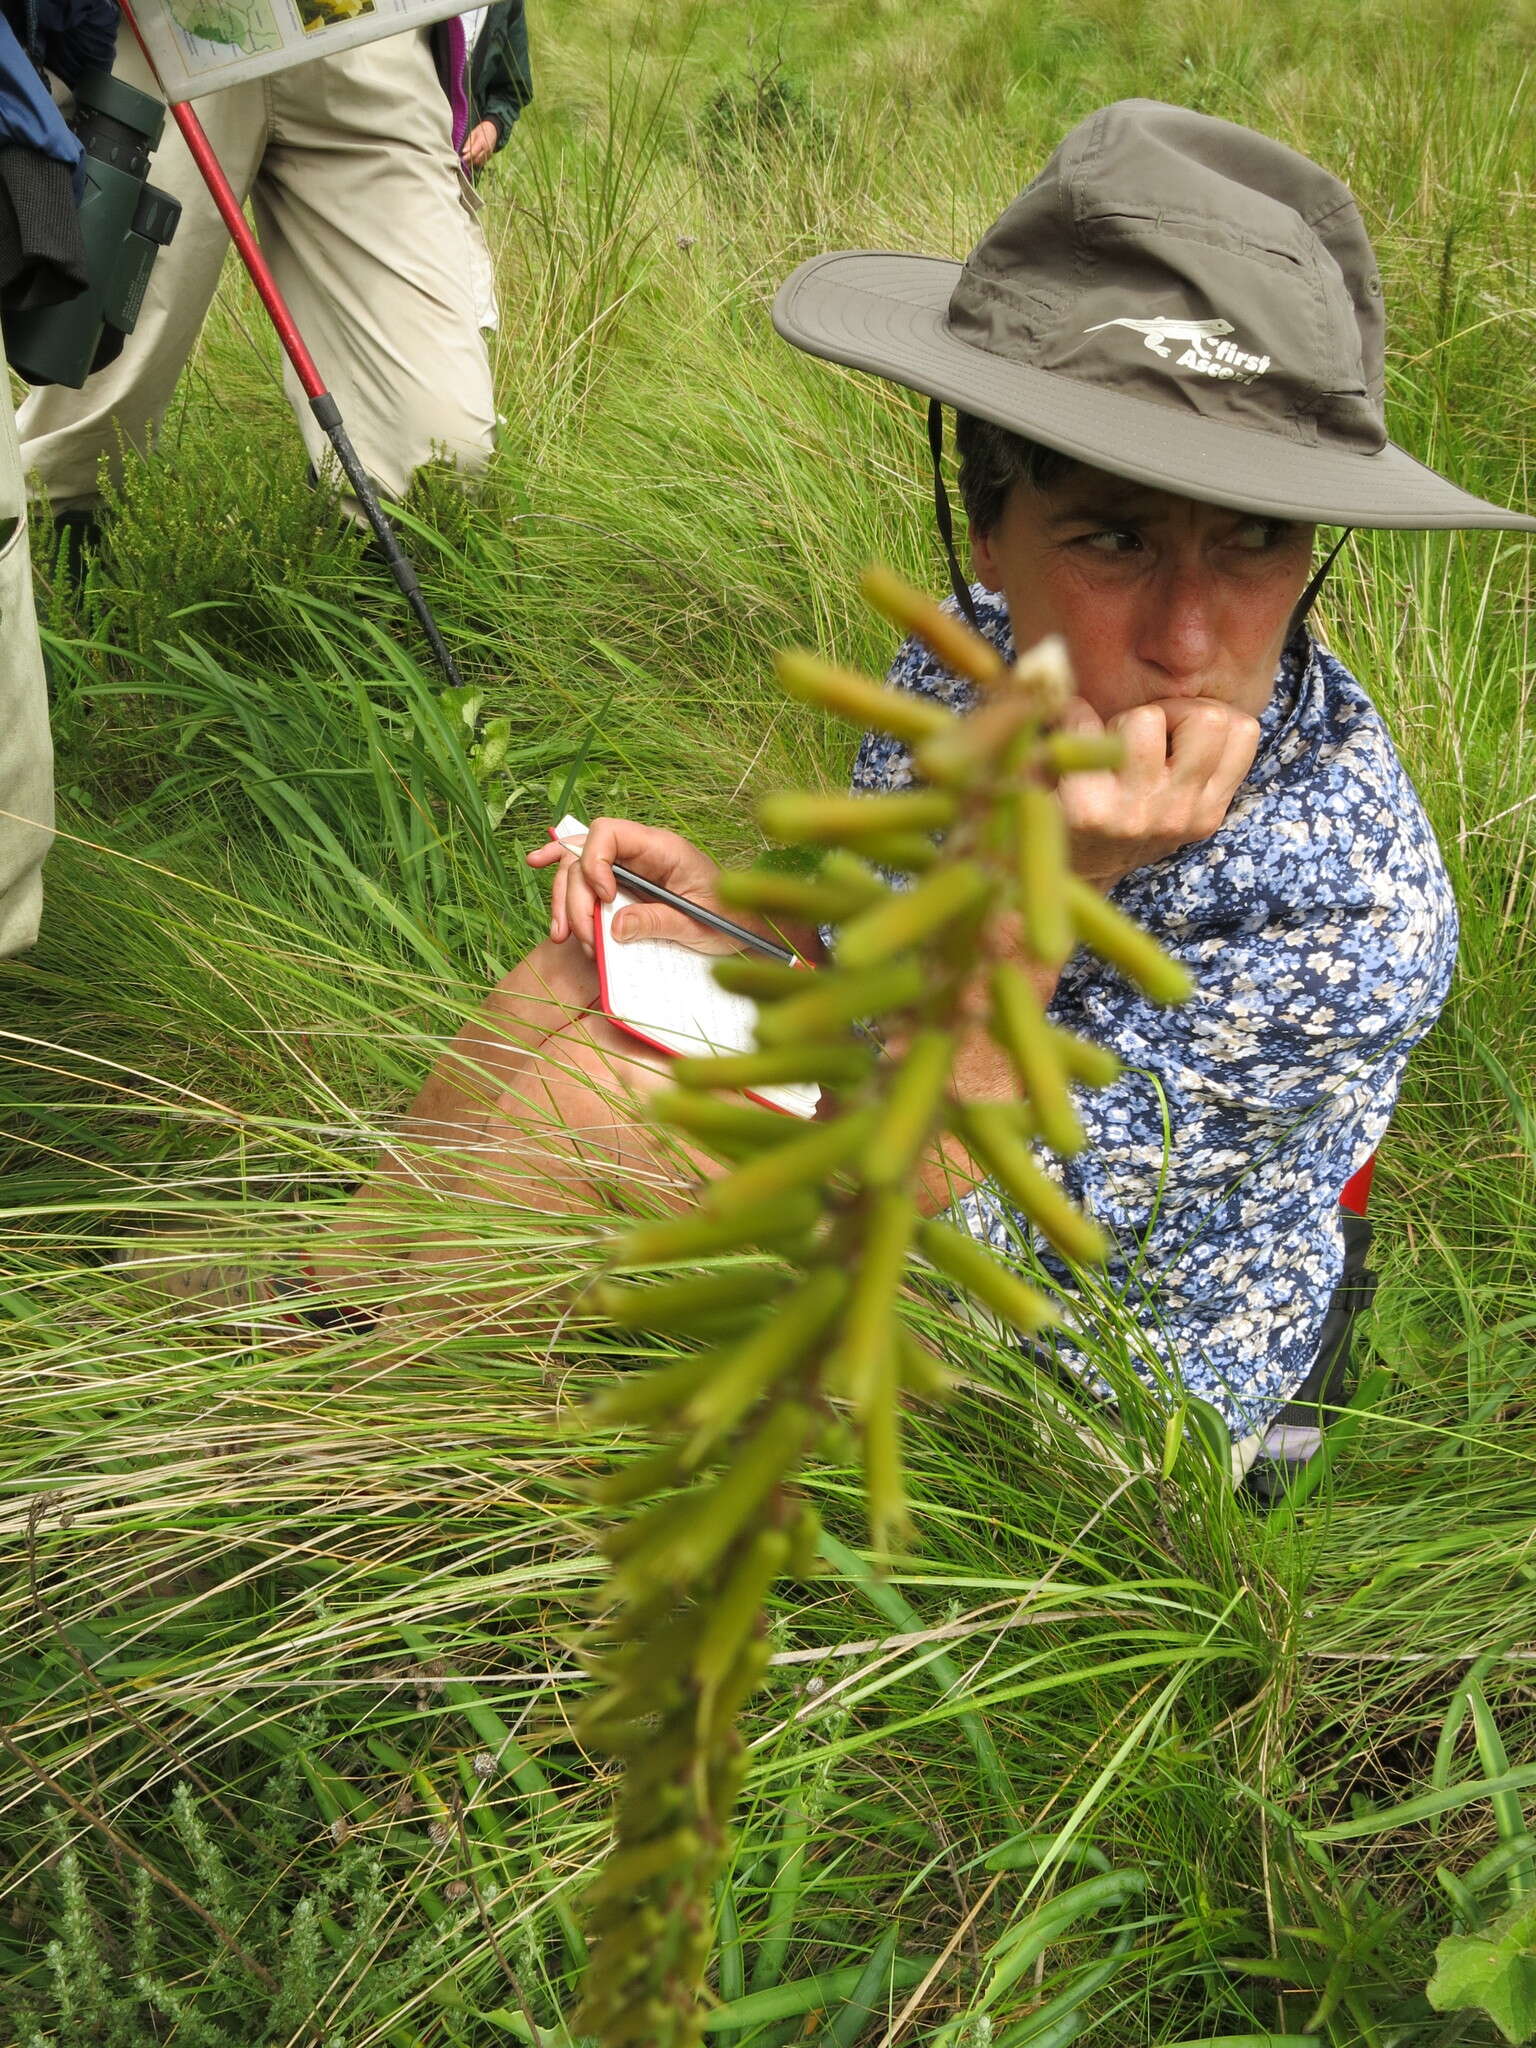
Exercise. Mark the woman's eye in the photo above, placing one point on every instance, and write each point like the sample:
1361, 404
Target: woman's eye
1258, 536
1113, 540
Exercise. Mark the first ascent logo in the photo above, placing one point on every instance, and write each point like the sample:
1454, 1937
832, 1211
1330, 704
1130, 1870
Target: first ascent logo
1207, 349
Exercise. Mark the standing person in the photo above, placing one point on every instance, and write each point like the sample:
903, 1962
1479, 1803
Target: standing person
498, 84
500, 78
42, 263
351, 164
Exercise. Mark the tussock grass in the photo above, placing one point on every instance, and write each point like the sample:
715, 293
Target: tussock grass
288, 1627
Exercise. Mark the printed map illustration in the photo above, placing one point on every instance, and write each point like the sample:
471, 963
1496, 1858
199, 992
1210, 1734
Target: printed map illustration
248, 26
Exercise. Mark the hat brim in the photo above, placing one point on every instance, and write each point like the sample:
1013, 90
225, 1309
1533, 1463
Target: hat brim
888, 314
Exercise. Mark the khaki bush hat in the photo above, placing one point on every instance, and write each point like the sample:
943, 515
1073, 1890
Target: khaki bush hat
1174, 299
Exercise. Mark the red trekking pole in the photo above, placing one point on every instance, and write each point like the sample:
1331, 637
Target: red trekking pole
321, 403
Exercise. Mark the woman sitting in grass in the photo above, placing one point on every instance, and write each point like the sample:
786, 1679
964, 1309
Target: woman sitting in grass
1167, 360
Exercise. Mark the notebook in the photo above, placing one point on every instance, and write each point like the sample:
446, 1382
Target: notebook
666, 996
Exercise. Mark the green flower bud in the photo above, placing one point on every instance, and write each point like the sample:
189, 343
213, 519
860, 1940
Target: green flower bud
959, 1257
883, 1481
655, 1526
1071, 753
921, 1373
809, 899
747, 974
734, 1690
861, 1365
700, 1236
631, 1868
649, 1396
1120, 941
864, 703
640, 1478
835, 1066
1016, 1172
1094, 1065
911, 1108
804, 1160
804, 1559
963, 652
1018, 1024
841, 869
743, 1376
675, 1552
798, 818
907, 852
731, 1127
681, 1304
837, 998
736, 1606
953, 894
1041, 853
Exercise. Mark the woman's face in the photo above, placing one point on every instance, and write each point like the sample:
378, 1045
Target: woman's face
1157, 597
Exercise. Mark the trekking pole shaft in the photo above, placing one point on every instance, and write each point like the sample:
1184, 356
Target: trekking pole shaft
328, 416
324, 407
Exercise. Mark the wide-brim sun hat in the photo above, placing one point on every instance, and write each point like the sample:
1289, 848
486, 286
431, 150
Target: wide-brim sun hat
1175, 299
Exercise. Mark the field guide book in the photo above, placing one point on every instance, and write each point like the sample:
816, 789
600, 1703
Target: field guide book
200, 46
666, 996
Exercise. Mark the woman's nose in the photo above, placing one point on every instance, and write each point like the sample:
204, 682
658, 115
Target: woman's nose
1178, 626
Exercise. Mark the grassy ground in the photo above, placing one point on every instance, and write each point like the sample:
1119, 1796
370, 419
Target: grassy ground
287, 1637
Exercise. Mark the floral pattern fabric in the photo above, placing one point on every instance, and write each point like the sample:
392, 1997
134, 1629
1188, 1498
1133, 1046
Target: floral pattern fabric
1320, 927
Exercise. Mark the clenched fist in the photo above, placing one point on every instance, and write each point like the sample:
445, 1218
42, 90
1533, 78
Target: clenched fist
1185, 759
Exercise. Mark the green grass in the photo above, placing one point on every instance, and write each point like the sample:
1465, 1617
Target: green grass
287, 1637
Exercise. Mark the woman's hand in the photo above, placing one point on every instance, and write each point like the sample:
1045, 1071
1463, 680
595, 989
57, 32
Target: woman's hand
1185, 759
586, 880
480, 145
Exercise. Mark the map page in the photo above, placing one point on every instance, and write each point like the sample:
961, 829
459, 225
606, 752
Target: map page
201, 46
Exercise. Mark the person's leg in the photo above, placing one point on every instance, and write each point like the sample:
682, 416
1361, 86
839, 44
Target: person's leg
359, 203
538, 1106
569, 1135
26, 760
535, 1106
65, 434
547, 992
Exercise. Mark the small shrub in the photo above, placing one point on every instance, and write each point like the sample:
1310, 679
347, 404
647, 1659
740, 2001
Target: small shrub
766, 114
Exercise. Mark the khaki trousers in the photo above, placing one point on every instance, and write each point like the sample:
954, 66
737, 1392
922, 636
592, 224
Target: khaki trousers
361, 211
26, 760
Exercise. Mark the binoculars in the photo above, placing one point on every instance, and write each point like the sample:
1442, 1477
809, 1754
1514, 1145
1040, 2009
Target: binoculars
125, 222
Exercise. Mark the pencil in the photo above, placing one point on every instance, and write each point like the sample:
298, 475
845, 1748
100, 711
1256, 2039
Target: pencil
639, 886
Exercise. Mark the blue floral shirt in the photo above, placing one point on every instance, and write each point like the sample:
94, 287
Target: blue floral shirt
1320, 928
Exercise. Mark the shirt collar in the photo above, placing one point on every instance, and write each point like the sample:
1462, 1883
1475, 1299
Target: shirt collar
1296, 680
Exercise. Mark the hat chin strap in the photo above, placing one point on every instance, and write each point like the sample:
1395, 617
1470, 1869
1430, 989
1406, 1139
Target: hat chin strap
945, 517
1308, 597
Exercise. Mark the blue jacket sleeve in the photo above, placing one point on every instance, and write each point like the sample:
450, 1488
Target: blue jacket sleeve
28, 117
